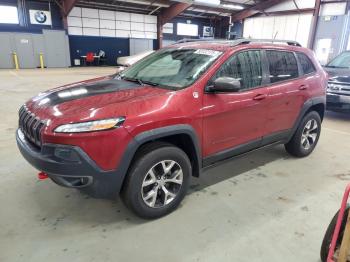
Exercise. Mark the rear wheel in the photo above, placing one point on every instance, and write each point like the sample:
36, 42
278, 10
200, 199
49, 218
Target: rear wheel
306, 136
158, 181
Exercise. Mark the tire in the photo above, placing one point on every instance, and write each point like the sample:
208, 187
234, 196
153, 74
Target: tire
329, 234
152, 188
305, 137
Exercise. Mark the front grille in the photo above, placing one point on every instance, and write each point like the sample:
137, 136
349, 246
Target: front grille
30, 125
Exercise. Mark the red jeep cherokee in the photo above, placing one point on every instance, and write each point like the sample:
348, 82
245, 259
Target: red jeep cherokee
145, 131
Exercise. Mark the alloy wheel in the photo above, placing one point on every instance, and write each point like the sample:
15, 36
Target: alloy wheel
309, 134
162, 183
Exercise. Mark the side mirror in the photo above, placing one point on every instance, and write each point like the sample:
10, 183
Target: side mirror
224, 84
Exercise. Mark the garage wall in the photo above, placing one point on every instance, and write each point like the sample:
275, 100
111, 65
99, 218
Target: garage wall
28, 46
287, 27
97, 22
25, 25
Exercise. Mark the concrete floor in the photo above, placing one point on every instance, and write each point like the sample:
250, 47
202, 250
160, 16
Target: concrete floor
266, 206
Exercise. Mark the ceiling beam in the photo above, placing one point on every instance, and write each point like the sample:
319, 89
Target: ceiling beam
256, 9
166, 15
68, 6
314, 23
172, 11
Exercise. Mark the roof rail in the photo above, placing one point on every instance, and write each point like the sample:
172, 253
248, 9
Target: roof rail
187, 40
239, 41
244, 41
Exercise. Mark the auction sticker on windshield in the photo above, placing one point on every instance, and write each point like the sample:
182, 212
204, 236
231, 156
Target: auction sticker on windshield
207, 52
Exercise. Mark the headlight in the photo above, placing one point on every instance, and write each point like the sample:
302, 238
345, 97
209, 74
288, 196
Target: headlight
91, 126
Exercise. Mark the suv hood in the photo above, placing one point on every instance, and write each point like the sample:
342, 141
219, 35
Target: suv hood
92, 99
339, 75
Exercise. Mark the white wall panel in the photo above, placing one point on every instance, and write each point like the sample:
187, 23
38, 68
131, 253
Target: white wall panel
289, 27
107, 24
121, 16
94, 22
279, 27
137, 34
122, 33
137, 26
108, 15
168, 28
122, 25
305, 3
91, 22
258, 25
74, 21
248, 28
289, 5
151, 28
150, 19
76, 11
150, 35
267, 30
137, 18
75, 30
89, 12
107, 32
333, 9
91, 31
304, 28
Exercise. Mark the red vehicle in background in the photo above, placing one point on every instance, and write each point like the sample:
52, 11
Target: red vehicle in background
145, 131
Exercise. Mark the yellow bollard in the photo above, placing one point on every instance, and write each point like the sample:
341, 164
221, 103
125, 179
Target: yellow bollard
41, 60
15, 59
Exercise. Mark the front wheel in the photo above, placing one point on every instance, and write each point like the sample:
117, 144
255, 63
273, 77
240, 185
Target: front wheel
158, 180
306, 136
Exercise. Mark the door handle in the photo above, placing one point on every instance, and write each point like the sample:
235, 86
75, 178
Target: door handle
303, 87
259, 97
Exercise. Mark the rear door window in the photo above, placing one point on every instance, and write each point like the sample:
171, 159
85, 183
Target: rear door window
306, 65
283, 65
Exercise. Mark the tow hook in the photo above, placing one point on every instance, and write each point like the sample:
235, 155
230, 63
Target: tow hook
42, 175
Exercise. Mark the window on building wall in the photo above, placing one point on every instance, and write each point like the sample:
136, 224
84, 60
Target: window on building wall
8, 14
187, 29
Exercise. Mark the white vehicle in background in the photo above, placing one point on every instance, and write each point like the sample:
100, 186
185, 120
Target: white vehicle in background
126, 61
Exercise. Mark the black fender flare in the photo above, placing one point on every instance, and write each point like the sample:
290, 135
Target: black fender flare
305, 108
155, 134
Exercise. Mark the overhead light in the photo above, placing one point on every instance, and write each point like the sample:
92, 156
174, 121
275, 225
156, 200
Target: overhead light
208, 2
230, 6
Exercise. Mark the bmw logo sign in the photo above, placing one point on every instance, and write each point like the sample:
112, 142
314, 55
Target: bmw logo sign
40, 17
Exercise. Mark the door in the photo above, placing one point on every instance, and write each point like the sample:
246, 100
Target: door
6, 57
56, 48
286, 93
237, 118
25, 51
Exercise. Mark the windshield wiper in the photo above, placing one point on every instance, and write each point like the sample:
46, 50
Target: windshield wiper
330, 66
133, 80
141, 82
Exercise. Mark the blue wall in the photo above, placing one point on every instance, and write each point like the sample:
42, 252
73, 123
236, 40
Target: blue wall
113, 47
55, 16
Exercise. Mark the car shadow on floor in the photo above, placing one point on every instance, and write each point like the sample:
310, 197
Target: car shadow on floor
234, 167
57, 206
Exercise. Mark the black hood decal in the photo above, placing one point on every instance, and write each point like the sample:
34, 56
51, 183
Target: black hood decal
84, 90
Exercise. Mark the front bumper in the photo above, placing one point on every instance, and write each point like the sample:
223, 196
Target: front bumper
70, 166
337, 102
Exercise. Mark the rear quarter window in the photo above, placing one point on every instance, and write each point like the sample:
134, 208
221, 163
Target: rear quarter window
306, 64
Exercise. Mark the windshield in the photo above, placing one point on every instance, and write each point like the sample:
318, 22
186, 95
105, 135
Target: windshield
341, 61
172, 68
